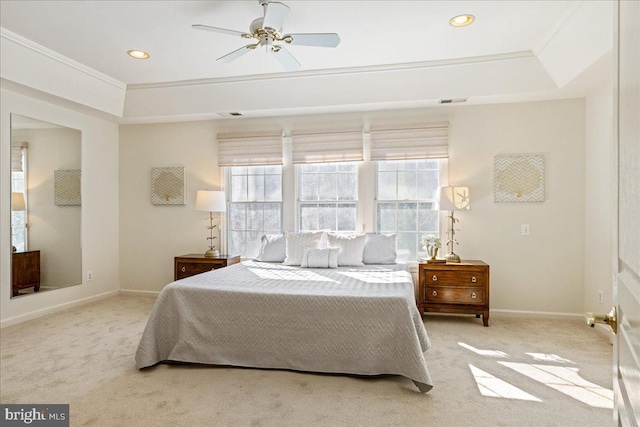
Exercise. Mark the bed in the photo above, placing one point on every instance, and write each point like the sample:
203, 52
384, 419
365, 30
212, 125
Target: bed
352, 320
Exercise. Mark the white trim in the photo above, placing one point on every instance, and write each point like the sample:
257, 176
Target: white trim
24, 42
341, 71
536, 314
139, 293
556, 25
56, 308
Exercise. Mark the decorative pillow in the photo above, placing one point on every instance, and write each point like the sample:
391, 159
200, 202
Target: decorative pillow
320, 258
351, 248
379, 249
273, 248
296, 242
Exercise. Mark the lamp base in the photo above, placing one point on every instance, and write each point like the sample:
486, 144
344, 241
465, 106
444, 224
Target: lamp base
452, 257
212, 253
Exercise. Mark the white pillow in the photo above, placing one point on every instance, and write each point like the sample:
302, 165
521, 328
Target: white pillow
351, 248
273, 248
320, 258
296, 242
379, 249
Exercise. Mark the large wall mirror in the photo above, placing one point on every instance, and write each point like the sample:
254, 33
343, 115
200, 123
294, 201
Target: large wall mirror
45, 206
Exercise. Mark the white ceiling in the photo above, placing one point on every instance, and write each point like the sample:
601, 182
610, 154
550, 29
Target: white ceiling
376, 36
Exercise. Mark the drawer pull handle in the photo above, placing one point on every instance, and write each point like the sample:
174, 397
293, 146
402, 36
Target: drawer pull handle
434, 278
473, 280
184, 269
473, 295
434, 293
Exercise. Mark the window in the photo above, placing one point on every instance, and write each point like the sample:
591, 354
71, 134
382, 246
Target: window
327, 196
405, 194
255, 207
19, 217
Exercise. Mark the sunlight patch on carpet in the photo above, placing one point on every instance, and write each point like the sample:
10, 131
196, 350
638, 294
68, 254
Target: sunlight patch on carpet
566, 380
491, 386
490, 353
542, 357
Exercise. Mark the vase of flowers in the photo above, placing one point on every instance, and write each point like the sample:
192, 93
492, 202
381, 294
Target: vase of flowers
431, 244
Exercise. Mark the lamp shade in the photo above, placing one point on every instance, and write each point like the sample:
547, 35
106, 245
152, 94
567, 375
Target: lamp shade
211, 201
17, 202
453, 198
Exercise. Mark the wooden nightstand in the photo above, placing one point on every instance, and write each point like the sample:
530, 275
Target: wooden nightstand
192, 264
25, 271
455, 288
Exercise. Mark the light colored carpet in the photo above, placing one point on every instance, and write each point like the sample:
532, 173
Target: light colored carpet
85, 357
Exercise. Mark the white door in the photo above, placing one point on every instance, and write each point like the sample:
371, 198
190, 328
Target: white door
626, 290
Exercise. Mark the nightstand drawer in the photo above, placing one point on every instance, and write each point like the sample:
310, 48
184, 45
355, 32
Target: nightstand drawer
184, 269
454, 295
454, 278
192, 264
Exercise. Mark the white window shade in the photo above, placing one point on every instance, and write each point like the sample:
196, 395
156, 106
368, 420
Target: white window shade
327, 147
249, 149
428, 142
16, 156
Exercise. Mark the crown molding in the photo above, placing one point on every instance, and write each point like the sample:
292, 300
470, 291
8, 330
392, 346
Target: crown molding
35, 47
566, 14
339, 71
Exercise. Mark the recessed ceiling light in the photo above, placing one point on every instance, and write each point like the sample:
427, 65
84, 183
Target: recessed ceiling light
462, 20
138, 54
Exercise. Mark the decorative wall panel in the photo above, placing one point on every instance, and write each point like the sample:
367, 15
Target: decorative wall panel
518, 178
66, 187
168, 186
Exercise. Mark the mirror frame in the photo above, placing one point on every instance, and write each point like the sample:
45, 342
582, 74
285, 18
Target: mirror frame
57, 190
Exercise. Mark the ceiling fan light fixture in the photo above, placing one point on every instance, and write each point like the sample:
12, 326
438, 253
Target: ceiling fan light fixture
462, 20
138, 54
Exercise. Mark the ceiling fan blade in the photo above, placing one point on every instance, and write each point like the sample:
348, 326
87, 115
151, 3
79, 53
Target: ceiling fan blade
314, 39
274, 15
236, 54
217, 30
285, 59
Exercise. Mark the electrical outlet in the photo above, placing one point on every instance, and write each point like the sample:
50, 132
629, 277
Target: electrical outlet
90, 275
601, 297
524, 229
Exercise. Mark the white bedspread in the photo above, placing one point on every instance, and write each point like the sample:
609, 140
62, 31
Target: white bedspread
355, 320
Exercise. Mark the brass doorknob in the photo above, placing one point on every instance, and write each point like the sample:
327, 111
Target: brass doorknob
607, 319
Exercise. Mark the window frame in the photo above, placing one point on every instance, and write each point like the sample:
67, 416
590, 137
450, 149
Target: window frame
442, 173
228, 174
356, 201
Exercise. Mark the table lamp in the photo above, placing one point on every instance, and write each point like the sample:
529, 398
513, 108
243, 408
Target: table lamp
452, 198
211, 201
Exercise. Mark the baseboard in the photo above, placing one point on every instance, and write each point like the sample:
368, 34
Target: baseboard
536, 314
56, 308
136, 292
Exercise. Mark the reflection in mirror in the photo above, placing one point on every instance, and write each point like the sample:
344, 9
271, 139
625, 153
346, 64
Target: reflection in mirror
45, 206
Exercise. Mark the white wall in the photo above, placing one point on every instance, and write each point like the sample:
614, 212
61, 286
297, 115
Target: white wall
99, 207
151, 235
598, 264
541, 273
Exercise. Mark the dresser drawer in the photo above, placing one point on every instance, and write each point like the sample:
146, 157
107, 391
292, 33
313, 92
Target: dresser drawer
186, 269
454, 278
454, 295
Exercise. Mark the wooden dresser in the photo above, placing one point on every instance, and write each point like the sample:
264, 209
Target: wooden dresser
192, 264
25, 271
455, 288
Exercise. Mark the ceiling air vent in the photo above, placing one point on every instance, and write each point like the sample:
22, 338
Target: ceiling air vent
452, 101
230, 114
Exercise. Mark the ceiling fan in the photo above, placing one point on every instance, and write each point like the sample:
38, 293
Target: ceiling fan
268, 31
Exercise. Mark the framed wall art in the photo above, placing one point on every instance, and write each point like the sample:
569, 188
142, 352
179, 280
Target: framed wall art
66, 187
168, 186
518, 178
